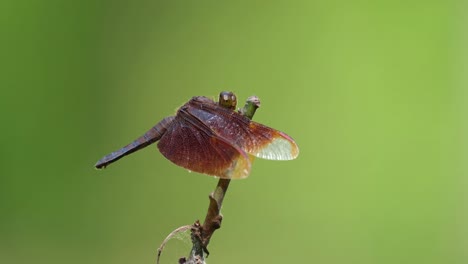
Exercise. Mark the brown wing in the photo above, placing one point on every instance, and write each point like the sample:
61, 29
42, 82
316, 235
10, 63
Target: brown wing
254, 138
191, 144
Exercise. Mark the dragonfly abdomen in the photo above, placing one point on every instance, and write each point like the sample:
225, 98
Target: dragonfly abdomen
151, 136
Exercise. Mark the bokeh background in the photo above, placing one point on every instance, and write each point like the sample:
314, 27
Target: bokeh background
374, 93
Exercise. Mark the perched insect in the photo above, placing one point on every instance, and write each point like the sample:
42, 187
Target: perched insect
212, 138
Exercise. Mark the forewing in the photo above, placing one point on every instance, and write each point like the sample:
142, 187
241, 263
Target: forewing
190, 144
254, 138
268, 143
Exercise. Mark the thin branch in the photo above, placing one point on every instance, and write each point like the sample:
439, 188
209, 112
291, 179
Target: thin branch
201, 234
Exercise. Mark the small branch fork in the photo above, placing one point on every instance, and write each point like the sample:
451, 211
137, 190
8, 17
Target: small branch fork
201, 234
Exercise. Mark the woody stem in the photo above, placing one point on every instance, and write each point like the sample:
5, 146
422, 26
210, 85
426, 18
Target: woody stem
201, 236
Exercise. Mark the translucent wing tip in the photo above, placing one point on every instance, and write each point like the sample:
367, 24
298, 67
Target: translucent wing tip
239, 169
280, 148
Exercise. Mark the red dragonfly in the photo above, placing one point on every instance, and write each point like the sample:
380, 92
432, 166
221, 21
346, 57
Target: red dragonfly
212, 138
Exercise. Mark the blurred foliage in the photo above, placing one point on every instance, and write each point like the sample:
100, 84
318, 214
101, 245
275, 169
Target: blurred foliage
373, 92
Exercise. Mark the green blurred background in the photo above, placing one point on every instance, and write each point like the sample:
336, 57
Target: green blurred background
374, 93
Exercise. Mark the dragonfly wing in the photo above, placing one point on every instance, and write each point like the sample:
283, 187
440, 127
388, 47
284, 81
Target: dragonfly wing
267, 143
254, 138
191, 144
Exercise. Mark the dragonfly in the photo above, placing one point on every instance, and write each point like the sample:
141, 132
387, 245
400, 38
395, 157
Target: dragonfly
212, 138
